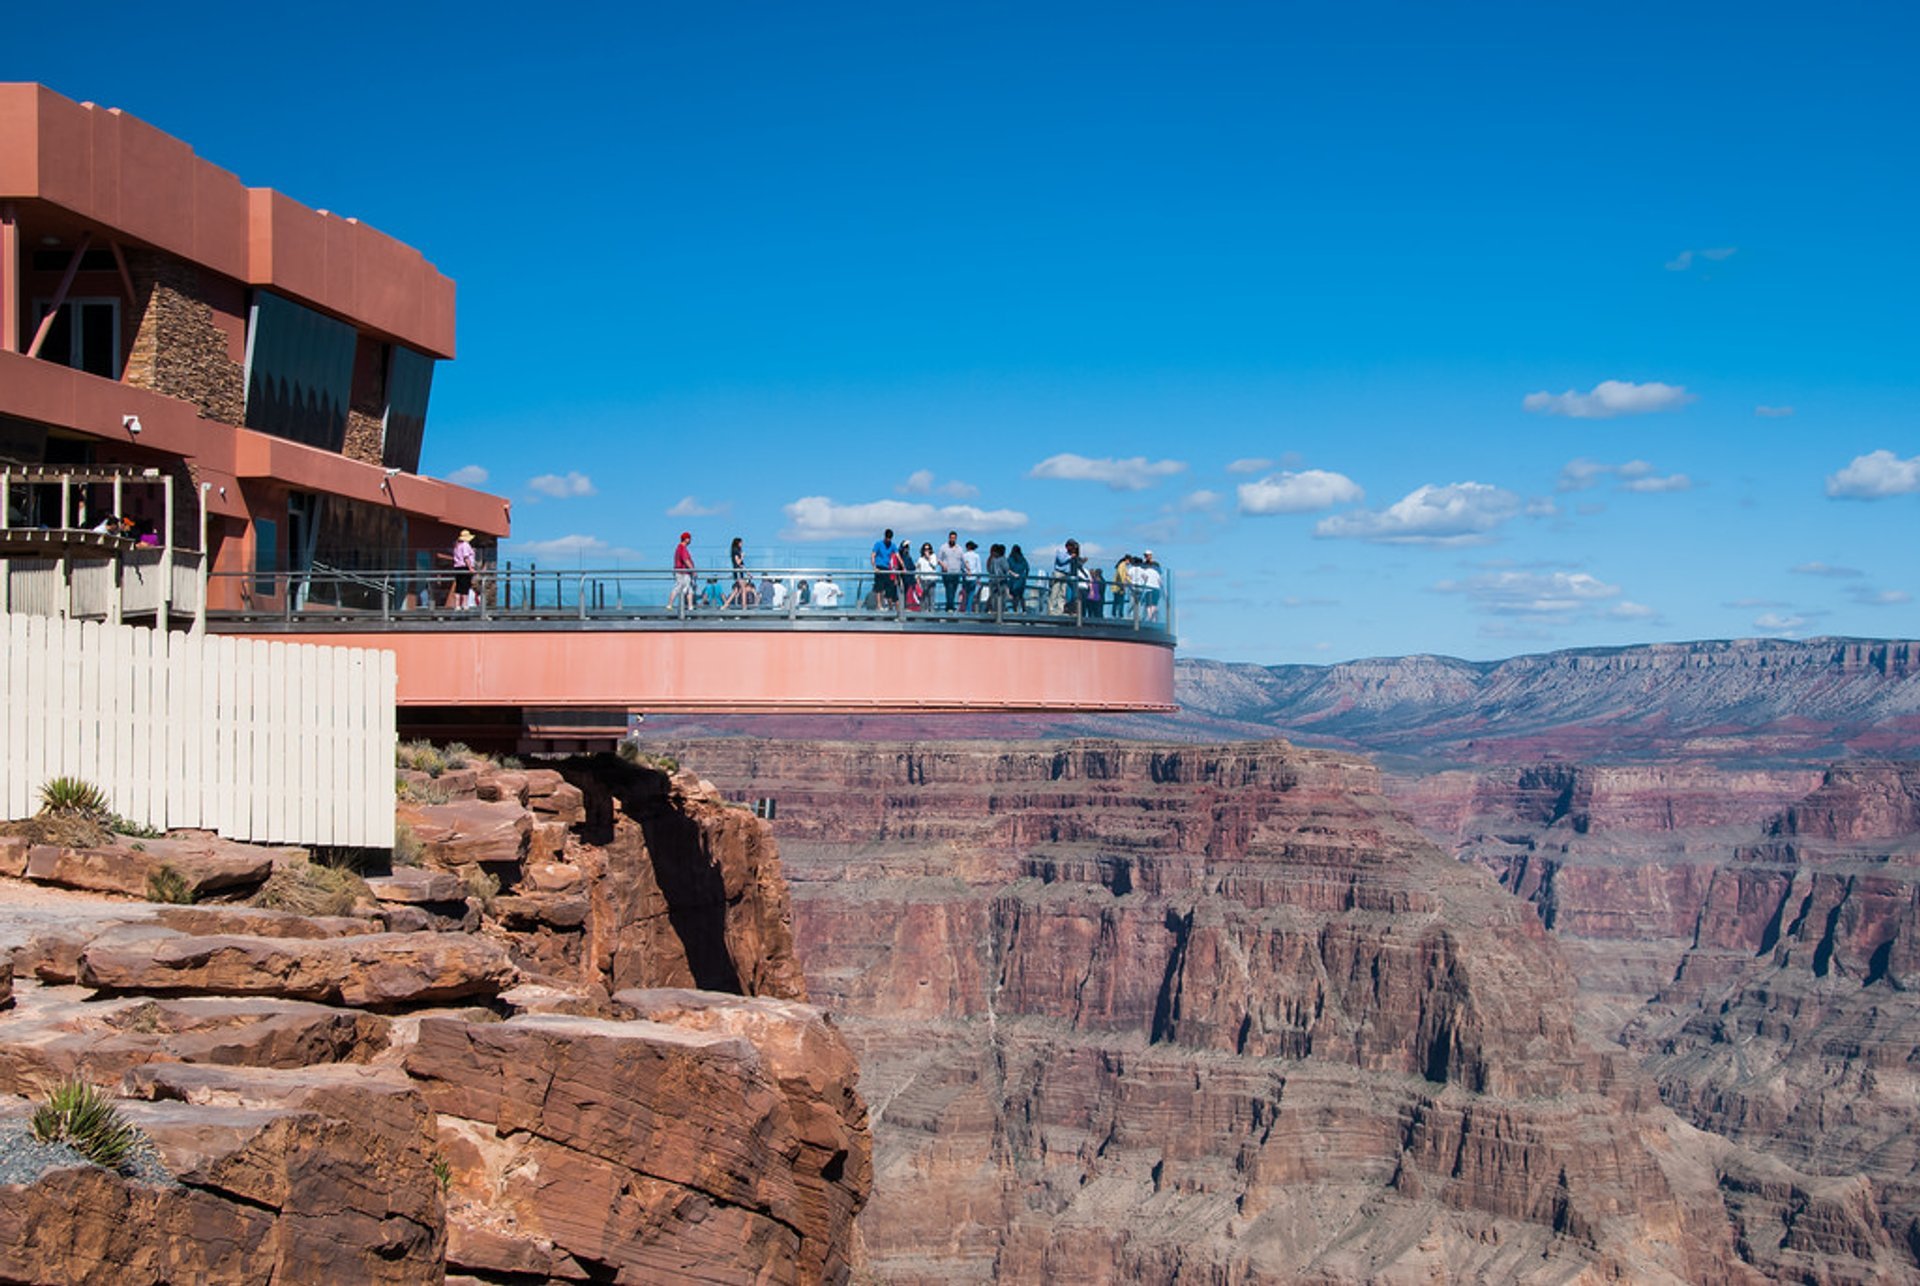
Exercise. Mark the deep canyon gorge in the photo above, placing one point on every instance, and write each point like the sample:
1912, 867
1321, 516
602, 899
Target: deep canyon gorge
1077, 1009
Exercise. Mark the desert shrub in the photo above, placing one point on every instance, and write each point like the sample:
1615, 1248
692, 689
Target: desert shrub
138, 830
85, 1119
631, 752
165, 884
415, 793
482, 885
421, 756
406, 845
458, 754
311, 888
509, 763
443, 1173
72, 797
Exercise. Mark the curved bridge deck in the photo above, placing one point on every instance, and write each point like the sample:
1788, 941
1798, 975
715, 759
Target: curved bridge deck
608, 641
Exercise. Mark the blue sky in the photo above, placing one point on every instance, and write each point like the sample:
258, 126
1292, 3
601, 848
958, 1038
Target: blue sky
1470, 329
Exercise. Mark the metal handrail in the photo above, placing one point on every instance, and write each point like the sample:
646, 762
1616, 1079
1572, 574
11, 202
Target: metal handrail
333, 597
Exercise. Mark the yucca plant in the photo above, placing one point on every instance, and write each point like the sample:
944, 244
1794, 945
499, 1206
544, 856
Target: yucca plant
85, 1119
73, 797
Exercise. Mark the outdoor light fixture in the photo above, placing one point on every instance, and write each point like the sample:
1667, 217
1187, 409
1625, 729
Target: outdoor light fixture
131, 423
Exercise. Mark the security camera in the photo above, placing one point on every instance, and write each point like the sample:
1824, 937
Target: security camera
131, 423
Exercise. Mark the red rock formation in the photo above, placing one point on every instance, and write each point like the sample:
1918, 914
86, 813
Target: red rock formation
1138, 1012
380, 1137
1755, 936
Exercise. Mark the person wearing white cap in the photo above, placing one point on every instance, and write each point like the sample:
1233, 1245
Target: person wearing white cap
1147, 578
465, 560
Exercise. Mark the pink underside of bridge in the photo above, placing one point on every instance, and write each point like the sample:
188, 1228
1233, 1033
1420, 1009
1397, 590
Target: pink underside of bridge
739, 670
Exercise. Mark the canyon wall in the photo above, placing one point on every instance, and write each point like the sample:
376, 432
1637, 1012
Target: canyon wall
1753, 937
1147, 1012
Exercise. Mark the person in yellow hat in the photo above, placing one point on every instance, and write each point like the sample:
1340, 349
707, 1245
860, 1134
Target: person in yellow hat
465, 561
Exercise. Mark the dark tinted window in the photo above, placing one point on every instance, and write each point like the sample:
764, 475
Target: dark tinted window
299, 372
409, 382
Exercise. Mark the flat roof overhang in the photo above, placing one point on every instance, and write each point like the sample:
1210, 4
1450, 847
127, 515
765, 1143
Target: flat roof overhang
111, 171
222, 454
844, 667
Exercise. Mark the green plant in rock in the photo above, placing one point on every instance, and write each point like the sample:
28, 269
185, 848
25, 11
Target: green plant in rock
482, 885
458, 754
443, 1172
631, 752
85, 1119
72, 797
421, 757
138, 830
417, 794
509, 763
165, 884
406, 845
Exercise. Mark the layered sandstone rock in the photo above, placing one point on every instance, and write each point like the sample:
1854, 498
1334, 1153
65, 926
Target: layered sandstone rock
1791, 1024
1145, 1012
1617, 859
1752, 934
319, 1113
611, 875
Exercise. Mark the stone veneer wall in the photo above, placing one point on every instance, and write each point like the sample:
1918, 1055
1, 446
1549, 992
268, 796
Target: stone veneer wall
367, 407
178, 348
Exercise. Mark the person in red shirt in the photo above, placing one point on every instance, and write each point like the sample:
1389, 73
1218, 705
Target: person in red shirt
683, 593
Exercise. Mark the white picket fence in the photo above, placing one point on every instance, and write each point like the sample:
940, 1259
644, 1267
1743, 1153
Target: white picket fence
266, 741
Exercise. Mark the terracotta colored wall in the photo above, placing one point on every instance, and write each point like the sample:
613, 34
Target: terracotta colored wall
751, 670
117, 171
221, 453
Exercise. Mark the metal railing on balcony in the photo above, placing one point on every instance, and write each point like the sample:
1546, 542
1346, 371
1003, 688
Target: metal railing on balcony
760, 598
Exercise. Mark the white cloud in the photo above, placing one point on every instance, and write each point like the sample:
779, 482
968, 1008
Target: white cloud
1655, 486
1626, 610
691, 507
1875, 476
561, 487
1684, 260
819, 518
1580, 473
1523, 593
1308, 491
1608, 399
1779, 622
575, 547
1200, 500
1635, 475
921, 482
1134, 474
1250, 464
467, 475
1824, 569
1773, 412
1878, 597
1459, 513
1542, 507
